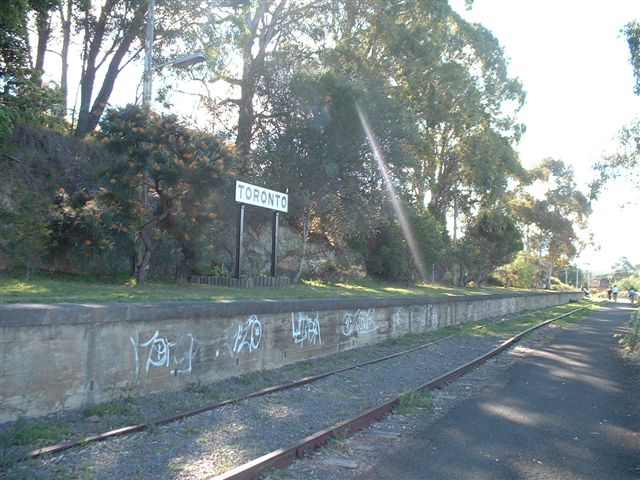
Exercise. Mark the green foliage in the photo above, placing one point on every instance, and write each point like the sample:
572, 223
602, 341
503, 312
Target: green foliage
413, 400
115, 407
632, 31
24, 101
490, 240
520, 273
24, 232
622, 163
86, 234
631, 341
24, 432
389, 255
182, 171
14, 52
623, 268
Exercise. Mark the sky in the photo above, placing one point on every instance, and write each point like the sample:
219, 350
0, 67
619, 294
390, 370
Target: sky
574, 65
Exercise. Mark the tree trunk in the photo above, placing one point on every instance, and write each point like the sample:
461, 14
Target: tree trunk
146, 237
245, 119
547, 278
89, 114
44, 32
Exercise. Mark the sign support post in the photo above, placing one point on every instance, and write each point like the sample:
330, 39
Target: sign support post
239, 235
274, 240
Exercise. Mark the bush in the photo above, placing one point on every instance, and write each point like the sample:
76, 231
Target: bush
521, 273
631, 341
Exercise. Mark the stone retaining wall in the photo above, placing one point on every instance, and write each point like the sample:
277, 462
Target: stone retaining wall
54, 357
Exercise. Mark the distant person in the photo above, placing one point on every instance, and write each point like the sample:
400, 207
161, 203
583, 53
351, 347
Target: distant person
632, 295
609, 293
584, 291
615, 293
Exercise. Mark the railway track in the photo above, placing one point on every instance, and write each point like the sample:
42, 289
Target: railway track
280, 457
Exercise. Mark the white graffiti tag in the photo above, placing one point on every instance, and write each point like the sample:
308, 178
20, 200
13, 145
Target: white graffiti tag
434, 320
161, 352
361, 322
305, 328
248, 335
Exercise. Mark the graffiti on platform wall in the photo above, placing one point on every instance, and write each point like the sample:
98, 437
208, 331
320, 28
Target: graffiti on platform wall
243, 336
400, 318
362, 321
248, 335
159, 351
434, 320
305, 329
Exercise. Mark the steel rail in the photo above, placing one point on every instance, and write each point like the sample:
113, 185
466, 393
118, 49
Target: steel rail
68, 444
286, 456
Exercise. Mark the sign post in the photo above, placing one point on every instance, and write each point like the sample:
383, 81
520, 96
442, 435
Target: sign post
239, 235
247, 194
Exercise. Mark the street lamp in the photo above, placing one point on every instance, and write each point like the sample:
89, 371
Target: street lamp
180, 62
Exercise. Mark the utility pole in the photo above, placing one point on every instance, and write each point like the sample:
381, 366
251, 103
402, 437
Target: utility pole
147, 76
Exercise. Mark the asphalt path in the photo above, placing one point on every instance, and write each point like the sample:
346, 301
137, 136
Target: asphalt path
570, 409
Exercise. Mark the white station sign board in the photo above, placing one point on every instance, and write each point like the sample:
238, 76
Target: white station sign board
261, 197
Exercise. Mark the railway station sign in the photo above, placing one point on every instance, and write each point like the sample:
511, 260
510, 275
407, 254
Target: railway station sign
261, 197
247, 194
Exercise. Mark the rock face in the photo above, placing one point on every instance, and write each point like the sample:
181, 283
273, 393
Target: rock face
323, 260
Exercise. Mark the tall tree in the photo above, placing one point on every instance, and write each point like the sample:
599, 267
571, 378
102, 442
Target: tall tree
241, 38
66, 12
108, 37
622, 163
632, 31
113, 37
452, 78
625, 160
552, 222
43, 12
315, 151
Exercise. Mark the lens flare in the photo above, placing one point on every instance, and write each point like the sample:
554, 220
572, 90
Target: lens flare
395, 200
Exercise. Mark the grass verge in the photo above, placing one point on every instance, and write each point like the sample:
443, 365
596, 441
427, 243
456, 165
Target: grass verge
48, 289
631, 341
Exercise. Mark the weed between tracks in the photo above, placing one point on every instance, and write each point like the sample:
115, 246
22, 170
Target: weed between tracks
413, 400
337, 444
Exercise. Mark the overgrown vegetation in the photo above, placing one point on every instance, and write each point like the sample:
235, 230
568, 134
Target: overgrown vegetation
385, 123
23, 433
631, 341
413, 400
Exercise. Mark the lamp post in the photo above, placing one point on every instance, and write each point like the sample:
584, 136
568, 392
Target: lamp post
148, 55
180, 62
